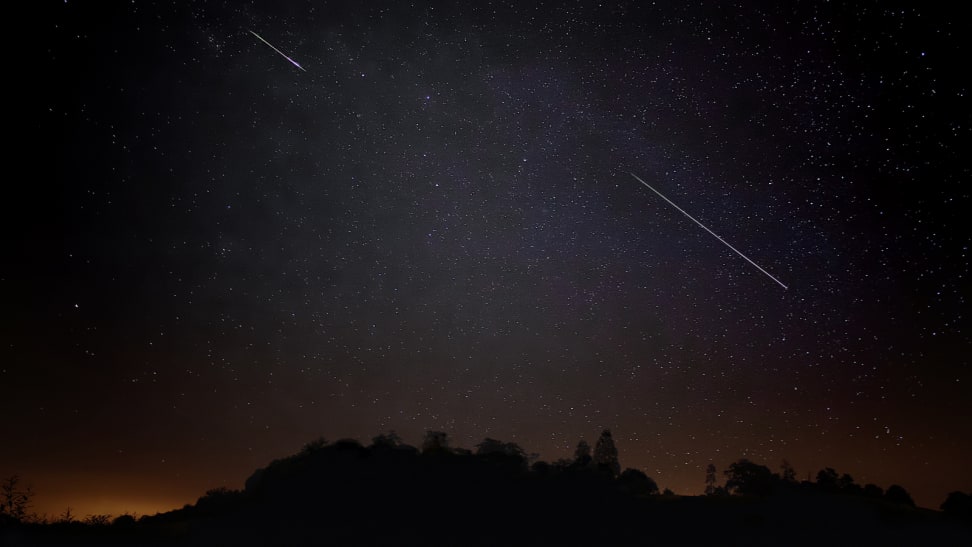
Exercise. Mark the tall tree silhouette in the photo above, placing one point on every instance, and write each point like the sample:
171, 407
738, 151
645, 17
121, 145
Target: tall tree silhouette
606, 454
787, 473
582, 454
710, 479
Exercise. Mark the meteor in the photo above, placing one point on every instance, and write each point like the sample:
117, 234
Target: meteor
284, 55
724, 242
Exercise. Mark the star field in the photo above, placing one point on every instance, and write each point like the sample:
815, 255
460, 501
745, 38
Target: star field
222, 257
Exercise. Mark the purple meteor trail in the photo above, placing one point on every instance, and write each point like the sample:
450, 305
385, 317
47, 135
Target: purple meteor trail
724, 242
293, 62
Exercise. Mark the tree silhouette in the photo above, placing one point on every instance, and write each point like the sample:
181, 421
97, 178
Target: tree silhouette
897, 494
496, 450
788, 474
958, 504
387, 440
124, 521
873, 491
827, 479
218, 499
846, 484
606, 454
314, 446
490, 446
710, 479
14, 501
747, 478
636, 482
436, 442
582, 454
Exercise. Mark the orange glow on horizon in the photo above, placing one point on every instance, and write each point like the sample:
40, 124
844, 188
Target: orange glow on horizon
114, 506
112, 495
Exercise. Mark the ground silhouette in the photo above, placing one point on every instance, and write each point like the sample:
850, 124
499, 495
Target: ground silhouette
389, 493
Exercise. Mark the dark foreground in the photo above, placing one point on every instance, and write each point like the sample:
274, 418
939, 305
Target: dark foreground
345, 494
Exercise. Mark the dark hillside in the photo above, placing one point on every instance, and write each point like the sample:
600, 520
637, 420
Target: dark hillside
391, 494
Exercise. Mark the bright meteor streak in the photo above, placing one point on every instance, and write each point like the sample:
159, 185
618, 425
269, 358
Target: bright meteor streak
724, 242
284, 55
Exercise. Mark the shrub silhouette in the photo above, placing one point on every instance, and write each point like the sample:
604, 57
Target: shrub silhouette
97, 520
124, 521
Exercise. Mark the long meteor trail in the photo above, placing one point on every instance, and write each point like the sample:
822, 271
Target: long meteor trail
284, 55
724, 242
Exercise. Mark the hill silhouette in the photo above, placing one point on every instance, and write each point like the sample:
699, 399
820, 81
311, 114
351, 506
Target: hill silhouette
389, 493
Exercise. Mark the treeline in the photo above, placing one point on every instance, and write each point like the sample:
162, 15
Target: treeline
747, 478
391, 492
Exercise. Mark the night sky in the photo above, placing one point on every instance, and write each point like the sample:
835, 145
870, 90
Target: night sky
212, 257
